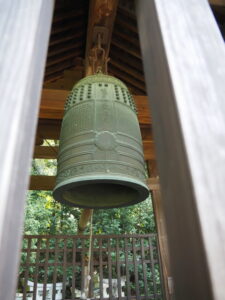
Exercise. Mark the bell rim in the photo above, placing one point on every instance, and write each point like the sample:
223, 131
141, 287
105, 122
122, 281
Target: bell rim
139, 186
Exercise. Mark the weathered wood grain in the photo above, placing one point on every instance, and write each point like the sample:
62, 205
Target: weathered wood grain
24, 31
185, 75
101, 13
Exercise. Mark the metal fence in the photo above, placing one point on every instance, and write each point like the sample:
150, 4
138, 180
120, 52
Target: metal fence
121, 266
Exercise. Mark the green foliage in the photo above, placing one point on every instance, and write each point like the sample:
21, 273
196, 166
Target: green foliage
45, 216
138, 218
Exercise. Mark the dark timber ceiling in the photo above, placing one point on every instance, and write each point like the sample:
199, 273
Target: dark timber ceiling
68, 37
68, 40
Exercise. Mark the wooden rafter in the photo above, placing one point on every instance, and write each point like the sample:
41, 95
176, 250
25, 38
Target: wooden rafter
128, 59
127, 69
130, 50
66, 27
127, 78
101, 13
56, 41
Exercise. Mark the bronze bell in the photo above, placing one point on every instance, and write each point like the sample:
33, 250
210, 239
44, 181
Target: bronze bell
100, 161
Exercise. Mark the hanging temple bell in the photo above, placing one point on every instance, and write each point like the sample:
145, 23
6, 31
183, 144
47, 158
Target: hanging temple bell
100, 160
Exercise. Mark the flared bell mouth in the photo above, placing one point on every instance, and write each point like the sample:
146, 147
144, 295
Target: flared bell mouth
100, 193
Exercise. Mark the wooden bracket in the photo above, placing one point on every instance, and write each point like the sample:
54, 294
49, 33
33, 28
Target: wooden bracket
104, 33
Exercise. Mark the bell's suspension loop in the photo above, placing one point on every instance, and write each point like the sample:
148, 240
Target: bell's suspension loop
98, 59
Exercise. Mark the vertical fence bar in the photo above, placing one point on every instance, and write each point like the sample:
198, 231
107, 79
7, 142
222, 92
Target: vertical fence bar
82, 264
152, 265
64, 268
135, 269
110, 268
55, 268
162, 279
100, 269
127, 268
91, 283
144, 267
26, 274
118, 268
46, 269
74, 269
36, 269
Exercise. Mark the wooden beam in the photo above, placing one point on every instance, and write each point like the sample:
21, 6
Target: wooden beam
101, 13
42, 182
49, 152
185, 75
84, 219
153, 183
152, 168
46, 152
47, 183
217, 2
52, 106
24, 30
50, 129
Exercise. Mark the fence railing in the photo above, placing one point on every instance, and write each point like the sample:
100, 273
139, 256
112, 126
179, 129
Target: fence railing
121, 266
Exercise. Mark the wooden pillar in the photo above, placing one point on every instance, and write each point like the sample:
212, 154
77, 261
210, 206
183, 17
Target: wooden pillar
161, 230
24, 30
163, 244
84, 219
184, 62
